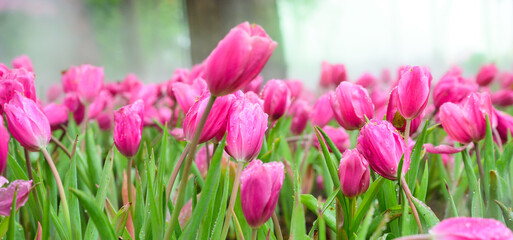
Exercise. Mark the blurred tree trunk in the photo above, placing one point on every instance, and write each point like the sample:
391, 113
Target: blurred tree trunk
211, 20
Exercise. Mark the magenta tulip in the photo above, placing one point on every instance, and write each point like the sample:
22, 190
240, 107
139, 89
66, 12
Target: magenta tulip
260, 185
7, 194
321, 112
379, 99
276, 97
128, 127
486, 74
354, 173
504, 125
413, 91
246, 128
216, 120
26, 79
332, 74
105, 121
466, 228
27, 123
99, 104
4, 145
506, 79
339, 137
186, 94
8, 88
453, 89
72, 102
383, 147
254, 85
147, 93
238, 58
466, 122
351, 104
53, 92
86, 80
300, 111
503, 97
22, 61
395, 117
57, 115
295, 87
367, 80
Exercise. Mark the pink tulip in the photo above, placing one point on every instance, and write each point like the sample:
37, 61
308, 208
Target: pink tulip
321, 112
506, 79
486, 74
260, 185
246, 128
186, 94
7, 194
395, 117
27, 123
238, 58
54, 92
454, 71
466, 228
367, 80
99, 104
147, 93
386, 76
86, 80
197, 71
351, 104
130, 83
379, 99
3, 70
105, 121
4, 145
504, 125
254, 85
300, 111
339, 137
72, 102
332, 74
57, 115
276, 97
8, 88
128, 127
353, 173
177, 133
254, 98
444, 149
413, 91
26, 79
216, 121
22, 61
181, 75
383, 146
466, 122
295, 87
201, 158
453, 89
503, 97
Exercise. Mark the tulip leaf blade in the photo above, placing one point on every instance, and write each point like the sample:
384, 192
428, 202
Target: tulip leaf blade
416, 157
93, 160
11, 230
427, 216
493, 210
507, 213
365, 204
330, 143
74, 206
489, 157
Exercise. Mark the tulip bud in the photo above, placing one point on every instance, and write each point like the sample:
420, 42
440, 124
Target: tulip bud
413, 91
383, 147
295, 87
321, 112
128, 127
338, 136
503, 97
27, 123
4, 145
216, 120
379, 99
7, 194
300, 112
332, 74
464, 228
276, 97
453, 89
57, 115
186, 94
238, 58
367, 80
26, 79
22, 61
8, 88
72, 102
260, 185
99, 104
506, 79
254, 85
147, 93
54, 92
86, 80
353, 173
466, 122
395, 117
105, 121
180, 75
246, 128
351, 104
504, 125
486, 74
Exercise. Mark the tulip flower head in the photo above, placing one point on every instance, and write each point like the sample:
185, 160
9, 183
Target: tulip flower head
276, 97
22, 61
321, 112
259, 190
86, 80
300, 111
453, 89
413, 91
332, 74
470, 228
353, 173
4, 145
7, 194
395, 117
238, 58
27, 123
186, 94
351, 104
338, 136
57, 115
128, 127
486, 74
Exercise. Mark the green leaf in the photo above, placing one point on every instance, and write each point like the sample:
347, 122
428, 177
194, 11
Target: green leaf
330, 143
93, 160
493, 210
4, 225
313, 205
97, 216
472, 180
452, 205
120, 220
74, 207
427, 216
507, 214
222, 205
416, 157
489, 158
12, 219
422, 192
365, 204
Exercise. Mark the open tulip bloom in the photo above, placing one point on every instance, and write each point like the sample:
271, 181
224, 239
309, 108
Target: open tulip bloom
377, 157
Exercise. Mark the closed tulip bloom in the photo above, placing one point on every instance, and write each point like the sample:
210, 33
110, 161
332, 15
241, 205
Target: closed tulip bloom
506, 79
383, 146
72, 102
338, 136
27, 123
466, 122
238, 58
90, 82
7, 194
26, 79
332, 74
300, 114
246, 128
453, 89
367, 80
504, 125
379, 99
353, 173
128, 127
321, 112
105, 121
486, 74
53, 92
4, 145
180, 75
503, 97
276, 97
395, 117
413, 91
8, 88
254, 85
57, 115
295, 87
23, 61
99, 104
216, 120
466, 228
186, 94
351, 103
260, 185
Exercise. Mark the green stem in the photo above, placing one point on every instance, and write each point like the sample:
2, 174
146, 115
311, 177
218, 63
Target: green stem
479, 164
254, 233
341, 233
351, 210
233, 197
407, 132
187, 168
65, 208
175, 172
129, 185
413, 208
238, 227
276, 222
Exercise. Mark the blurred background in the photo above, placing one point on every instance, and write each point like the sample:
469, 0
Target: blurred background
151, 38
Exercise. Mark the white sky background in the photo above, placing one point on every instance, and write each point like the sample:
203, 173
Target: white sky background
369, 35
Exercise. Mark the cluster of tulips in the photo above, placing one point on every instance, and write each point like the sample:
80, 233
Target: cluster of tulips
128, 160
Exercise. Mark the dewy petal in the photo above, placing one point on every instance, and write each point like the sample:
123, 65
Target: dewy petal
471, 228
256, 190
